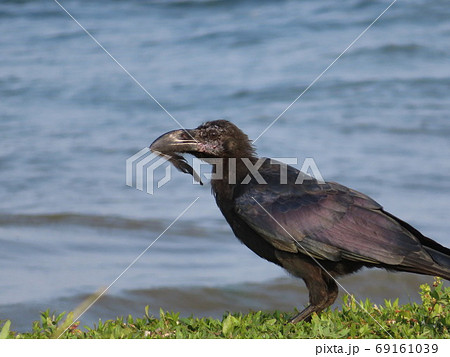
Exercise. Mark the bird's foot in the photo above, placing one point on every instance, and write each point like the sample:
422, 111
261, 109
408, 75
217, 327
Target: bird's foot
304, 315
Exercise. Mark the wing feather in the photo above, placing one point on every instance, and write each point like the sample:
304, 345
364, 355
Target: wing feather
329, 221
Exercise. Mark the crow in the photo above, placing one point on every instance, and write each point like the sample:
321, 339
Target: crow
317, 231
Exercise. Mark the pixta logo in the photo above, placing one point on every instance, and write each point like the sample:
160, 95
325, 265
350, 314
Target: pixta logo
142, 166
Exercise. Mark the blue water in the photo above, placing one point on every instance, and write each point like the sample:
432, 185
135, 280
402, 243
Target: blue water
377, 121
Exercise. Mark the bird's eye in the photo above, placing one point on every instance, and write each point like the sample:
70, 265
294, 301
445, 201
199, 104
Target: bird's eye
212, 134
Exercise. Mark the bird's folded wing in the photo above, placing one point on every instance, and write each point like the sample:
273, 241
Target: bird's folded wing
326, 221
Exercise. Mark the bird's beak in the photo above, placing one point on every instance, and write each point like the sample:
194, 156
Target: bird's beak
175, 141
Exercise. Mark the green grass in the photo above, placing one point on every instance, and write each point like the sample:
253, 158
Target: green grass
430, 319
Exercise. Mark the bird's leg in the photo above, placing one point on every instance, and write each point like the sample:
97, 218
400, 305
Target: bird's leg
333, 292
321, 296
322, 288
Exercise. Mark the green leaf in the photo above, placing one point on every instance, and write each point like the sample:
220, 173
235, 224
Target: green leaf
5, 330
228, 324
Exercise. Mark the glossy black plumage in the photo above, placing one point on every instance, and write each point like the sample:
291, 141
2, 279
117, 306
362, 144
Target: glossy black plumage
316, 231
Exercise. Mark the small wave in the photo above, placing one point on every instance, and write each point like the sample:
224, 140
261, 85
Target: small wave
19, 12
436, 131
191, 3
281, 92
392, 49
63, 219
189, 228
410, 82
64, 35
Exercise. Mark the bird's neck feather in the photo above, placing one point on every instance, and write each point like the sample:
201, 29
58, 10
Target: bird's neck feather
234, 172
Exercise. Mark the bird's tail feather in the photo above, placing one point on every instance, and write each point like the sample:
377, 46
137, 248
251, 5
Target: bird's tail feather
437, 252
442, 266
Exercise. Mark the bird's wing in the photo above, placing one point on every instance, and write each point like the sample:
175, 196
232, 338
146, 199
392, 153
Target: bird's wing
327, 221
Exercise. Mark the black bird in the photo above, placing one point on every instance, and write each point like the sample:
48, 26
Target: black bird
316, 231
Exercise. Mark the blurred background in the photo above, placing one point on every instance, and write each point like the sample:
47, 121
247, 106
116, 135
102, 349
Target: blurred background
377, 121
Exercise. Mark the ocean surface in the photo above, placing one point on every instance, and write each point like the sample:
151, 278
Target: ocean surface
377, 121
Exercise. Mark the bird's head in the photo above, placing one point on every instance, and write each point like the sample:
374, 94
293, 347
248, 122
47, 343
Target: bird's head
213, 139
